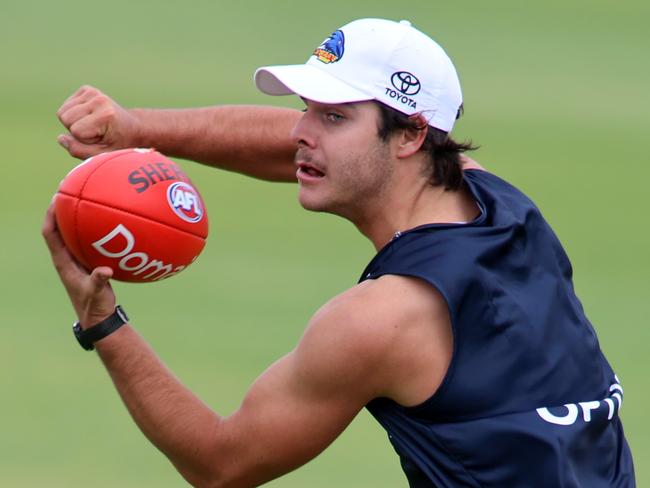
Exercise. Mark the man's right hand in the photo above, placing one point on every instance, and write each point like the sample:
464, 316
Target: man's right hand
96, 124
253, 140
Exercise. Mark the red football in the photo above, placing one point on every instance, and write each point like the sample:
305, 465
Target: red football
133, 210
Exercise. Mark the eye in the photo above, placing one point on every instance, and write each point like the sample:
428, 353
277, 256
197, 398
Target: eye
334, 117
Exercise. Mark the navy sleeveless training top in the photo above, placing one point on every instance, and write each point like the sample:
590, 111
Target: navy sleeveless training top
528, 400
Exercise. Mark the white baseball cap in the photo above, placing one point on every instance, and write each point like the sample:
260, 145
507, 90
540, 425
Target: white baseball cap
374, 59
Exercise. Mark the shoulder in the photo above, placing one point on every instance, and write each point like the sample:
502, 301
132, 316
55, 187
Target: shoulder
469, 163
390, 335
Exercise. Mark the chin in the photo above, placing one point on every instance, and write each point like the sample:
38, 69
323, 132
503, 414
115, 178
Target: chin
314, 205
313, 202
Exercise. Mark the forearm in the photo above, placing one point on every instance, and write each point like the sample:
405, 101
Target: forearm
253, 140
170, 416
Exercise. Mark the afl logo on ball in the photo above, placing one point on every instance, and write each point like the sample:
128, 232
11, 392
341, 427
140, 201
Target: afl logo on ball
185, 202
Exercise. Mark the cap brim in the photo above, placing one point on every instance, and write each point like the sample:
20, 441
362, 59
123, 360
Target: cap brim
308, 82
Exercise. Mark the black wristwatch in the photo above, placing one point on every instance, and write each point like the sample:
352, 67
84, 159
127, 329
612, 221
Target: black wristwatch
88, 337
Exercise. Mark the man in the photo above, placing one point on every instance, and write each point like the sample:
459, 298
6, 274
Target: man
463, 338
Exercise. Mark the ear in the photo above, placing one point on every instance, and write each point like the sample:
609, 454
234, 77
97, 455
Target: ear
410, 140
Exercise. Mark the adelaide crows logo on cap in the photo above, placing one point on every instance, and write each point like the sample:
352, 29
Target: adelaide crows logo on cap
332, 48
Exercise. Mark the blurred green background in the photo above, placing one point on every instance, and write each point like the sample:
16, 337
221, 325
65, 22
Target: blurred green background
556, 93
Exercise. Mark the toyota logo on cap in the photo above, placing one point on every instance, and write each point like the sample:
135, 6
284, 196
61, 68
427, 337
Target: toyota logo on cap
405, 82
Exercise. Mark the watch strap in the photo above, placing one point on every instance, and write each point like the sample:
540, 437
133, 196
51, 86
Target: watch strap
88, 337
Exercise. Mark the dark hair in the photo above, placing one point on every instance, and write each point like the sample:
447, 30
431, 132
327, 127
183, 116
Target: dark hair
444, 153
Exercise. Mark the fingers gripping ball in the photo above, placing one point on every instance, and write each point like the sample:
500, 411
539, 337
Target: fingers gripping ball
133, 210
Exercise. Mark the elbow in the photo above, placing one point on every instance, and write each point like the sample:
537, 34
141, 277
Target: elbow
235, 476
221, 463
213, 480
210, 479
216, 475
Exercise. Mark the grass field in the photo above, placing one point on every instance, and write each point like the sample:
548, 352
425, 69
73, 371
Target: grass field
556, 93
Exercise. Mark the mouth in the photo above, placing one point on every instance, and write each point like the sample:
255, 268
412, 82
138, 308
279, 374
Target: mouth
309, 170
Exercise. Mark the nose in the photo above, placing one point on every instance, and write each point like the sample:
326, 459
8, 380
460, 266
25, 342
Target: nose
303, 133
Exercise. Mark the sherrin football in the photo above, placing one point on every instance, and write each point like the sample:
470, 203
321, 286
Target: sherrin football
133, 210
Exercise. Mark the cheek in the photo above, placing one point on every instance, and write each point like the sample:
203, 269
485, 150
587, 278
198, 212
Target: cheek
365, 171
357, 146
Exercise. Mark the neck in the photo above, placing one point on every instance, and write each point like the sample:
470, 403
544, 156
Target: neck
411, 206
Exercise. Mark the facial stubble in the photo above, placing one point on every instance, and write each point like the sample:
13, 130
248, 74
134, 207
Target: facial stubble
358, 183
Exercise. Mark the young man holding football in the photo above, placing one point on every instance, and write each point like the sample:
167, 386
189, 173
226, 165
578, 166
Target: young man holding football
463, 337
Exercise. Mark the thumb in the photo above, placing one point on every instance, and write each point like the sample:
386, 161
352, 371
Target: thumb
78, 149
99, 277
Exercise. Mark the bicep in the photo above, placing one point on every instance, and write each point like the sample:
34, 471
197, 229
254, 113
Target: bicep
292, 412
378, 339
